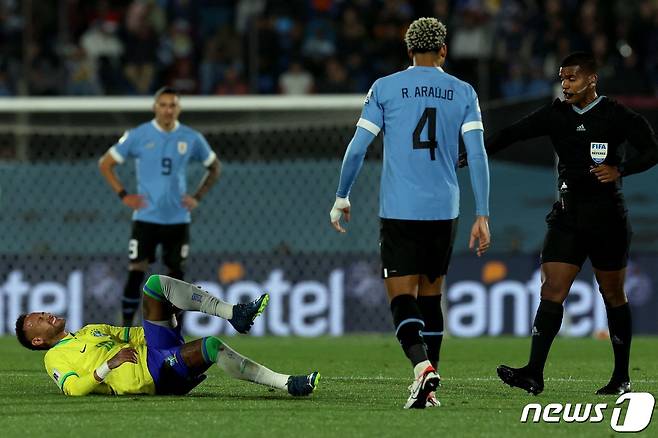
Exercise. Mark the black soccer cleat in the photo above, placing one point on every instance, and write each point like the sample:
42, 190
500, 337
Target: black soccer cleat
615, 387
300, 386
245, 314
521, 378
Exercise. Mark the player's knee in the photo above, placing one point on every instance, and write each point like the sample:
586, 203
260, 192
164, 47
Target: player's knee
210, 347
177, 273
140, 266
613, 297
554, 291
153, 288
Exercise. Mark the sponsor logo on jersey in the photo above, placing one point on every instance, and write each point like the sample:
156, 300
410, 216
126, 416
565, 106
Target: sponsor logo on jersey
150, 145
598, 151
182, 147
56, 375
581, 128
97, 333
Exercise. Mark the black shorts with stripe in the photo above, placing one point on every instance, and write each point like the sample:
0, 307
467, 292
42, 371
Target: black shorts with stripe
595, 226
414, 247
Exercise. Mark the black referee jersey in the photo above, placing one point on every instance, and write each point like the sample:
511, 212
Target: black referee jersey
584, 138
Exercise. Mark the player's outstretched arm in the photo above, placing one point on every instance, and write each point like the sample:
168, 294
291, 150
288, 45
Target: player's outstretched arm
531, 126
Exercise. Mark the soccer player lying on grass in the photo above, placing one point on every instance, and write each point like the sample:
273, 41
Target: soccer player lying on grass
153, 359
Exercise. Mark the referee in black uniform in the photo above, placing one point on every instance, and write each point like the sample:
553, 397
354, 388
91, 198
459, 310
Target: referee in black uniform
590, 219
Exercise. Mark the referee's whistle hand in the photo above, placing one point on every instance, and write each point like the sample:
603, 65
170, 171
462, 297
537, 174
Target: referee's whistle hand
134, 201
606, 173
480, 234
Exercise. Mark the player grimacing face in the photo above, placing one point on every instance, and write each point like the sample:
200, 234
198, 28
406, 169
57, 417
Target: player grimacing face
578, 87
42, 327
167, 110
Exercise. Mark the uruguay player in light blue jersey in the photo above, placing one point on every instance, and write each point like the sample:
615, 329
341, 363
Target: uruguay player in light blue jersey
162, 149
421, 111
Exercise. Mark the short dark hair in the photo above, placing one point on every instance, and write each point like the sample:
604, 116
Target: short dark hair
22, 336
584, 60
166, 90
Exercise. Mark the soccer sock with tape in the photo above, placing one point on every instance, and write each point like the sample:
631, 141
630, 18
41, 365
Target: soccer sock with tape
131, 296
621, 332
546, 326
186, 296
408, 324
235, 365
430, 307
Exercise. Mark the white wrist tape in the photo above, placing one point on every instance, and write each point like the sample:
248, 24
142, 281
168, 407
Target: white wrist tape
103, 370
337, 210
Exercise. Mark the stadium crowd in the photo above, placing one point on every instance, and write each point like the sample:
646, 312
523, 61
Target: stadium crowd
226, 47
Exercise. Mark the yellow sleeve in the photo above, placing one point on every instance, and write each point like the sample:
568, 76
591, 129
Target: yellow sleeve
131, 335
69, 380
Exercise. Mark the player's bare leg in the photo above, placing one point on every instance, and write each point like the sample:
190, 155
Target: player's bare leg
408, 319
429, 302
611, 286
557, 279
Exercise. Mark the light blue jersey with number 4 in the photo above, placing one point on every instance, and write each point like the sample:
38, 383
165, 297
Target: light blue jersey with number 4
161, 159
421, 111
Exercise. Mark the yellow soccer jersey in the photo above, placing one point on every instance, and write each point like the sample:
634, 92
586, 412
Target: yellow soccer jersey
72, 361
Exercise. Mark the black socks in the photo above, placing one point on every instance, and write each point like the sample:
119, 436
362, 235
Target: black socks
408, 324
131, 296
430, 307
621, 333
546, 326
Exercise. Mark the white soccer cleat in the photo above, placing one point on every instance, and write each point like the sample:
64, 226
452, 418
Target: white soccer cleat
432, 401
421, 388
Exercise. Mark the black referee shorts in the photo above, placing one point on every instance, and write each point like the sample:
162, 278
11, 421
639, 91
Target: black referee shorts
410, 247
174, 238
594, 227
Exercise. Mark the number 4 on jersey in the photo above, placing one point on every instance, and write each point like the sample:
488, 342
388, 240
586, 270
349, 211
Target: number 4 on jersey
428, 117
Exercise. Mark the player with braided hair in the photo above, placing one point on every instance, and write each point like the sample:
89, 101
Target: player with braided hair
422, 112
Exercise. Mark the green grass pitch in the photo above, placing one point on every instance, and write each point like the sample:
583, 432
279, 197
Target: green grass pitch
361, 393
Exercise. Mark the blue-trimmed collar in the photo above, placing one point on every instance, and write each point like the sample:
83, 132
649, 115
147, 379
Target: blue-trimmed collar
591, 105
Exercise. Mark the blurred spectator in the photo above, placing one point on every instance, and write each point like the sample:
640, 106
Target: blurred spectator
335, 79
296, 80
132, 45
81, 74
233, 83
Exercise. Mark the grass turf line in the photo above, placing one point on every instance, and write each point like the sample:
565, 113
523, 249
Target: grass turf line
363, 387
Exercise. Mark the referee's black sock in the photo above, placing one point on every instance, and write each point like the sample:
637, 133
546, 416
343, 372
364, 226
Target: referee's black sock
408, 324
132, 292
430, 307
546, 326
621, 333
